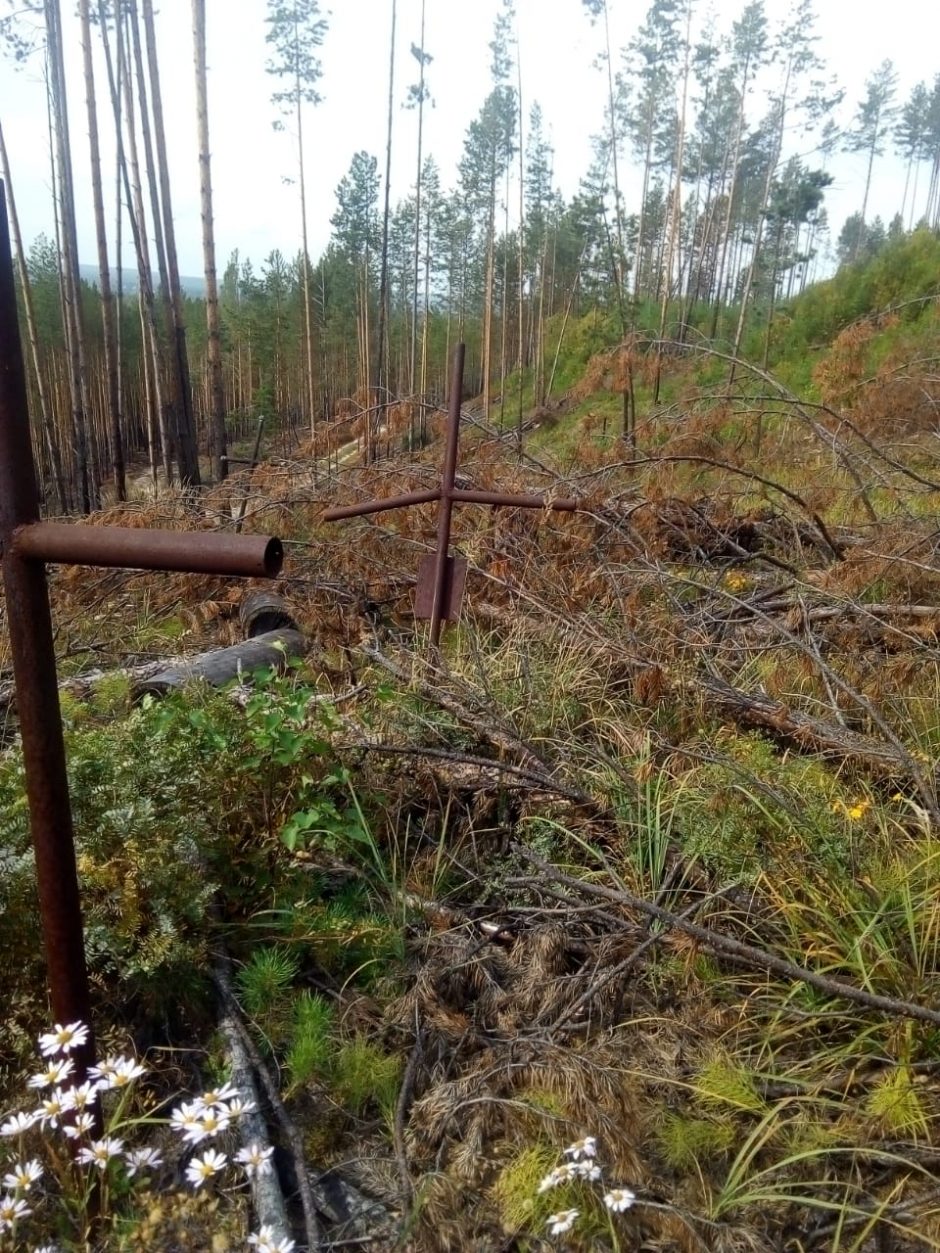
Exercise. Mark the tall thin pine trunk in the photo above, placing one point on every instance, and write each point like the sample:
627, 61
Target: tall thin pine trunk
48, 432
381, 368
187, 450
216, 405
119, 82
104, 271
305, 261
71, 281
520, 294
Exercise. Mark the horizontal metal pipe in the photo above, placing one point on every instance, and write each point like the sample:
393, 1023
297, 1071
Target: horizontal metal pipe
471, 496
188, 552
379, 506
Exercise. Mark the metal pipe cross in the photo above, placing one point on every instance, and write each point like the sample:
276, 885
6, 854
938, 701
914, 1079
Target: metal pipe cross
26, 545
440, 576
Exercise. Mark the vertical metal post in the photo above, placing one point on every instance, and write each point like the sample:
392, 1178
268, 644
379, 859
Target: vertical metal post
447, 495
34, 671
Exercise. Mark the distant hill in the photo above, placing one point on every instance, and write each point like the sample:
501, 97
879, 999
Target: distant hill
191, 285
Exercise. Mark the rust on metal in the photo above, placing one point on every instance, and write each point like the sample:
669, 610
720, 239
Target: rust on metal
455, 580
136, 548
472, 496
379, 506
26, 545
37, 695
441, 577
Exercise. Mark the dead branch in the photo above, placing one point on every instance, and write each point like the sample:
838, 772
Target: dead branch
288, 1128
736, 950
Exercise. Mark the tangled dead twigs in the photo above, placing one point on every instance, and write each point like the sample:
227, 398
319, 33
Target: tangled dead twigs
735, 950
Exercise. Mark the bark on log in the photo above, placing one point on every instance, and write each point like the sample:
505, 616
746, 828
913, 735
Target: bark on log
273, 648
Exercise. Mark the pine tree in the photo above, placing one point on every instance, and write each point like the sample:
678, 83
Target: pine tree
295, 31
488, 149
217, 442
381, 365
911, 139
418, 95
748, 52
874, 121
355, 233
104, 268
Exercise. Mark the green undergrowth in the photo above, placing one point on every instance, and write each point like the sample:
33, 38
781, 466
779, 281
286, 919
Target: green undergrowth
196, 820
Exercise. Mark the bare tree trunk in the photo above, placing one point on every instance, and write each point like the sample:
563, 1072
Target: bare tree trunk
414, 306
381, 354
120, 85
217, 441
104, 271
488, 294
71, 282
735, 161
47, 430
520, 359
673, 261
187, 450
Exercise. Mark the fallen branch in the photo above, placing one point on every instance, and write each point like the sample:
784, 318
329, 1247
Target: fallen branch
735, 950
755, 709
487, 774
266, 1195
289, 1130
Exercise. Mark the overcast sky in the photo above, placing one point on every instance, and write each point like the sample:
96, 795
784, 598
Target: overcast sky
256, 209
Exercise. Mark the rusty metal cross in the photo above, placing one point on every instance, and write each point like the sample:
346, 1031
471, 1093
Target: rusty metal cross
441, 577
26, 545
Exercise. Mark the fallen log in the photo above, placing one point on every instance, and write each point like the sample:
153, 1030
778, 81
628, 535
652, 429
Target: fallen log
272, 648
755, 709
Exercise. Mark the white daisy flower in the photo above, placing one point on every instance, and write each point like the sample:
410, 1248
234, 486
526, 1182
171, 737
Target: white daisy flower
80, 1096
619, 1199
237, 1107
582, 1148
16, 1124
586, 1170
265, 1241
55, 1073
12, 1209
561, 1174
80, 1126
202, 1168
186, 1119
46, 1248
104, 1070
218, 1096
51, 1108
215, 1119
22, 1176
255, 1159
142, 1159
100, 1152
117, 1072
63, 1039
561, 1222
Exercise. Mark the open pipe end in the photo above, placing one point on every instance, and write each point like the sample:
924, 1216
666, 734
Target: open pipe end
273, 558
